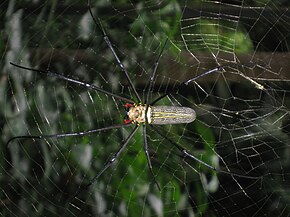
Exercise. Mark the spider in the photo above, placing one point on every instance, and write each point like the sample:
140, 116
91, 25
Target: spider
138, 113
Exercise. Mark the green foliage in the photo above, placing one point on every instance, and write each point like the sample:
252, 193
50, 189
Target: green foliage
41, 175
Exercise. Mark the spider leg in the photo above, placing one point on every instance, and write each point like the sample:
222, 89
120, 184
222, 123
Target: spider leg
108, 163
41, 137
216, 69
186, 153
148, 156
108, 42
62, 77
152, 76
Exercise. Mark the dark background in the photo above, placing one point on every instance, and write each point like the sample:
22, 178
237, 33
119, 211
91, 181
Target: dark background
239, 128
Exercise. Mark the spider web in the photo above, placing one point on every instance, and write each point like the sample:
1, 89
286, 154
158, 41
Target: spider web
242, 123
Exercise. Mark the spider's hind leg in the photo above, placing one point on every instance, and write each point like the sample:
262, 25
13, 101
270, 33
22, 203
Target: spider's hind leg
148, 156
186, 154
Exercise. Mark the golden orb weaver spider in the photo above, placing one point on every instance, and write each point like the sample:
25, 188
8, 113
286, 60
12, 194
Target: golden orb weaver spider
140, 114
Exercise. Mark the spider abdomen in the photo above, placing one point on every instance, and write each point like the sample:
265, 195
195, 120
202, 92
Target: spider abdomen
170, 115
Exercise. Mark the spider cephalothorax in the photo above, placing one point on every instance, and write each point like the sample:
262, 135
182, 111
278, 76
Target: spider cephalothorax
137, 114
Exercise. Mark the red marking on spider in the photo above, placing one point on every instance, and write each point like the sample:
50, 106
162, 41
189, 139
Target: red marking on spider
128, 105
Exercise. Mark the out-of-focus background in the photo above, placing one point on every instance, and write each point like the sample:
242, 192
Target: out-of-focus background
242, 123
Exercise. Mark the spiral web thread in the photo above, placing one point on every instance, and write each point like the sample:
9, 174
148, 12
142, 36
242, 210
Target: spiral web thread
242, 123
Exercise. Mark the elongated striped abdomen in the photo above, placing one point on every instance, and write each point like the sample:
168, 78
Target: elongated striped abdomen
170, 115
